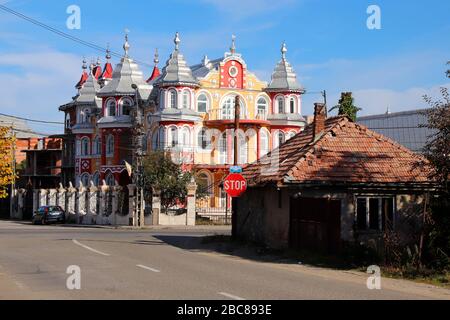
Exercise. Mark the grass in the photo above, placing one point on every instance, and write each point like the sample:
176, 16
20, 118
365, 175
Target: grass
346, 261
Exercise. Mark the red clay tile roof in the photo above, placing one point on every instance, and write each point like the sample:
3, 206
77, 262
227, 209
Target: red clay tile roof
345, 152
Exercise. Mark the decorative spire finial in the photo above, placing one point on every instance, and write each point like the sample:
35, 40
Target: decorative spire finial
177, 41
98, 61
84, 66
233, 44
156, 59
126, 45
283, 50
205, 60
108, 53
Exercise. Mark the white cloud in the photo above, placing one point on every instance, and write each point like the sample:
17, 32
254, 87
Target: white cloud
35, 84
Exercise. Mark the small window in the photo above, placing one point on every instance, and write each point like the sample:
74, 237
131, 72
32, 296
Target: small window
111, 108
173, 137
280, 102
185, 138
376, 214
264, 143
261, 108
125, 105
223, 146
110, 146
110, 180
85, 146
96, 179
204, 139
97, 146
85, 179
173, 99
292, 105
202, 103
186, 100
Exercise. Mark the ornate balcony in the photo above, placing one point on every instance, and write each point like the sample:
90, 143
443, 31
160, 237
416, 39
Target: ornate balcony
218, 117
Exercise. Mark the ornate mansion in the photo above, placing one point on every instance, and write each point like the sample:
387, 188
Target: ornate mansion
188, 112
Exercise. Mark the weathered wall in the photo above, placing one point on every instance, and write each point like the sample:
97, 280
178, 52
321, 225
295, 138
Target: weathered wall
261, 218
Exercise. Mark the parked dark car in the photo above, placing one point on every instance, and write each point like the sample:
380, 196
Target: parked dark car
49, 214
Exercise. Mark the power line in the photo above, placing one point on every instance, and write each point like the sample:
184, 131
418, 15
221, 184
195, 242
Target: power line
65, 35
31, 120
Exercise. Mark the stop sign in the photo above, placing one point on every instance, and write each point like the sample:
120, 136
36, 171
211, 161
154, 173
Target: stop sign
235, 185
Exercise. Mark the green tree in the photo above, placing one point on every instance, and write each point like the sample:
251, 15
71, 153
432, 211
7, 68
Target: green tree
346, 106
161, 173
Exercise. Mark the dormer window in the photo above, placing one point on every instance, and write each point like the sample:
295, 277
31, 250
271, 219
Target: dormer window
85, 116
173, 99
280, 104
125, 106
111, 107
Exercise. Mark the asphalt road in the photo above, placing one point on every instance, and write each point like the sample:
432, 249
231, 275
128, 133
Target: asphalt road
166, 264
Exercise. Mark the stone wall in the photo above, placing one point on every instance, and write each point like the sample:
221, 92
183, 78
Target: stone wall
104, 205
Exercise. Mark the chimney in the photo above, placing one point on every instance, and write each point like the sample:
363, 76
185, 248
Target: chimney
320, 114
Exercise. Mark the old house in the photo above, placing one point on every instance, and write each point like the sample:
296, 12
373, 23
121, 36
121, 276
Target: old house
333, 184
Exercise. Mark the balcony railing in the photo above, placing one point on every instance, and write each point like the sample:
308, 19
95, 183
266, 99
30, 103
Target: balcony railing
228, 115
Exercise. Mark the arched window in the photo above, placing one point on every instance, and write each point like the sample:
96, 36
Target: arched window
204, 184
85, 179
85, 116
85, 146
110, 145
111, 107
68, 122
125, 106
96, 179
186, 99
186, 137
96, 146
173, 99
263, 143
227, 112
223, 149
173, 137
292, 105
155, 140
202, 103
261, 107
110, 180
279, 139
204, 139
280, 103
243, 149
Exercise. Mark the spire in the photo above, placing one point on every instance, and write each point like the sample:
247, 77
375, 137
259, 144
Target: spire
283, 50
177, 41
156, 73
233, 44
126, 45
107, 70
108, 53
284, 78
98, 61
205, 61
84, 75
156, 58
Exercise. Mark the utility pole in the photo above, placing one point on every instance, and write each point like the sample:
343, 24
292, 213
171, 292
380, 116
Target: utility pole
138, 178
237, 115
13, 166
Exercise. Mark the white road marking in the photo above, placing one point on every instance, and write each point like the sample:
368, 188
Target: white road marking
89, 248
233, 297
147, 268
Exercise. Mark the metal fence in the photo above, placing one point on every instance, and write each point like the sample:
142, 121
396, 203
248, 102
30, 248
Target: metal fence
222, 220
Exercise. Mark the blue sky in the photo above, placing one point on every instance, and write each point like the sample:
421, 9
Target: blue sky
329, 46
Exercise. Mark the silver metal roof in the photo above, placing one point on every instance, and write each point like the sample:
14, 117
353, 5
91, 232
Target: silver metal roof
176, 70
284, 77
126, 74
402, 127
20, 127
88, 93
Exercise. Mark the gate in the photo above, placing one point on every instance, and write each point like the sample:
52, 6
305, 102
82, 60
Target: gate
315, 224
28, 204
